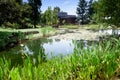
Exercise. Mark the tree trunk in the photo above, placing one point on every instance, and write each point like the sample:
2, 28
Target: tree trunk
35, 24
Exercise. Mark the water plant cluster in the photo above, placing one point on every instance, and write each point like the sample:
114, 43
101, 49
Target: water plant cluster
8, 39
99, 62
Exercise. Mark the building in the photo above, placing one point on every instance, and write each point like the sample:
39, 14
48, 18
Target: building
64, 18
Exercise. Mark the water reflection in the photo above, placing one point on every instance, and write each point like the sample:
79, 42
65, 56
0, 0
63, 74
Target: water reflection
110, 31
57, 47
45, 47
54, 47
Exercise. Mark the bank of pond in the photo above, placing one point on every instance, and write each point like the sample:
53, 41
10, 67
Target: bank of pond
54, 59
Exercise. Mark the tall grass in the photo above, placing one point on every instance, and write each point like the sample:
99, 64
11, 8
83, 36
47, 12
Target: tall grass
101, 62
47, 31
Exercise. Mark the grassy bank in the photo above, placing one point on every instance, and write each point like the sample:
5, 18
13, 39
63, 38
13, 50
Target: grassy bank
100, 62
70, 26
10, 37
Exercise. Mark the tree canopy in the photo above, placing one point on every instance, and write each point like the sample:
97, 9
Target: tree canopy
81, 11
49, 17
107, 11
9, 11
57, 9
84, 11
35, 4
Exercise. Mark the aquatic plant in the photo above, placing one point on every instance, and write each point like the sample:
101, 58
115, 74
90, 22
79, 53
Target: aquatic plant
100, 62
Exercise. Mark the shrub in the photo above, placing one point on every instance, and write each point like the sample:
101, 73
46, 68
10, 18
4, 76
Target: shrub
11, 25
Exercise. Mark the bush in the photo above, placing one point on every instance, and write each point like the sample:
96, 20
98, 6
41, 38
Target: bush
11, 25
8, 38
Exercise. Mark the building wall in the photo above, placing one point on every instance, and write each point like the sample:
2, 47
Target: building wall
68, 19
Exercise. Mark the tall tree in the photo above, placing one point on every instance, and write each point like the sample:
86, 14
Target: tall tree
81, 11
49, 17
57, 9
19, 1
90, 9
108, 11
35, 4
9, 11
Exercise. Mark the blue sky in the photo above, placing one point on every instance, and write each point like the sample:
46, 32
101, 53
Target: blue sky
68, 6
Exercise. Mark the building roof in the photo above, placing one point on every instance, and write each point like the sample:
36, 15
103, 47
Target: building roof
65, 15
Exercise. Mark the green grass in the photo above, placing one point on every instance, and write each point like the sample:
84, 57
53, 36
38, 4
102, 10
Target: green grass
7, 38
43, 32
96, 63
98, 26
86, 26
70, 26
47, 31
93, 26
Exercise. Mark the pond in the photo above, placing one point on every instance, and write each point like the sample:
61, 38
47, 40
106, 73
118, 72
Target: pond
109, 31
47, 48
42, 48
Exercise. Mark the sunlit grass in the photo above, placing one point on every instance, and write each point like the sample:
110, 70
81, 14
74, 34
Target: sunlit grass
70, 26
47, 31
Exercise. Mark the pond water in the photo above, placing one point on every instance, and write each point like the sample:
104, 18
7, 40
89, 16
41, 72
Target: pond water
109, 31
42, 48
47, 47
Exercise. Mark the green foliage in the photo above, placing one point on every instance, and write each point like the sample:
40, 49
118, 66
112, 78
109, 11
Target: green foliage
35, 4
96, 63
107, 11
85, 11
46, 31
11, 25
81, 11
56, 9
9, 11
19, 1
8, 38
49, 17
70, 26
90, 9
13, 14
26, 21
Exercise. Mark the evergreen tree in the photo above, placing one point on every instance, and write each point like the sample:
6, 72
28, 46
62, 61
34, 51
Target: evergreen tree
35, 4
57, 9
81, 11
90, 9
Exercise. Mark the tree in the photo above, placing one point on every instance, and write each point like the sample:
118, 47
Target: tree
56, 9
26, 14
9, 11
19, 1
108, 11
49, 17
81, 11
90, 9
35, 4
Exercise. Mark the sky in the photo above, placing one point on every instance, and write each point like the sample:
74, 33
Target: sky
68, 6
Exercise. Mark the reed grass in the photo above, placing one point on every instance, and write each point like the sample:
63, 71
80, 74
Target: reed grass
100, 62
